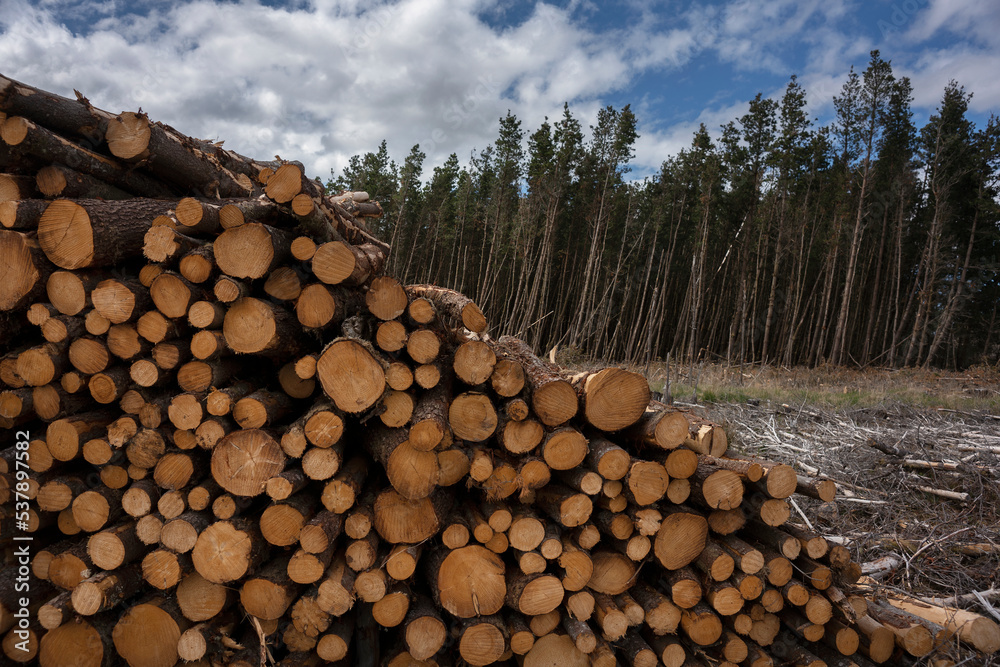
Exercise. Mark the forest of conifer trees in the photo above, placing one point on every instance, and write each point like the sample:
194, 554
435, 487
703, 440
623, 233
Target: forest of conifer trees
868, 241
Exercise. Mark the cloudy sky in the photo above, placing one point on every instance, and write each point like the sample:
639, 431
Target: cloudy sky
321, 80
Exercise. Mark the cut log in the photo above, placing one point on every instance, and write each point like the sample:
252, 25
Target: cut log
402, 521
564, 448
386, 298
171, 156
32, 139
612, 399
244, 460
23, 270
147, 634
467, 582
472, 417
91, 232
425, 632
351, 374
681, 537
228, 550
553, 398
78, 643
978, 630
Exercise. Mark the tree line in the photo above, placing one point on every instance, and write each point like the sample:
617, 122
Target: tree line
866, 241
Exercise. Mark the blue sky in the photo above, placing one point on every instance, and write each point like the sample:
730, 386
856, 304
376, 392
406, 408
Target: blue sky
321, 80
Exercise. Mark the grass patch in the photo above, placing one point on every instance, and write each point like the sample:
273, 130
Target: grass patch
975, 390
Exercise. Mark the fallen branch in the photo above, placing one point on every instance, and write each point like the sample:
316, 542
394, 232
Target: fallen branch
942, 493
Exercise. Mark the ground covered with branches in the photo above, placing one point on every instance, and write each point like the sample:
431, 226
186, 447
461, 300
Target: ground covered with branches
896, 443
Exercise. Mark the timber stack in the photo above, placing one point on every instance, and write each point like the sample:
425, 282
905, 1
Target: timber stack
242, 443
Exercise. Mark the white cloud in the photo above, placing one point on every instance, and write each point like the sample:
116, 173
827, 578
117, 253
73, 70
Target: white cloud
321, 80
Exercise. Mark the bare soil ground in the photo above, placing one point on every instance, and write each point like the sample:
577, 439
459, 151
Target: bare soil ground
898, 444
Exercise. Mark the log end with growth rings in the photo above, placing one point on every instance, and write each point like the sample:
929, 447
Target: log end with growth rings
243, 461
18, 274
615, 398
350, 375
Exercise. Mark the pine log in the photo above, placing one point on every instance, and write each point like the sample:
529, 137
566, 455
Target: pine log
92, 232
978, 630
171, 156
553, 398
456, 307
612, 399
386, 299
425, 631
76, 118
29, 138
148, 633
352, 374
253, 326
402, 521
564, 448
472, 416
78, 642
467, 582
430, 425
681, 537
283, 520
556, 649
614, 573
229, 550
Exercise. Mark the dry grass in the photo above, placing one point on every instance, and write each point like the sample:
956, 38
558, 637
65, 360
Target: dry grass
974, 390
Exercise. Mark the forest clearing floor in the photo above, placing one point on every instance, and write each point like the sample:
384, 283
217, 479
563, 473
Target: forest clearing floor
897, 443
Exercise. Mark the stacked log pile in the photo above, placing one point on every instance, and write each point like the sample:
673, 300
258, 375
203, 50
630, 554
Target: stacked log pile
242, 444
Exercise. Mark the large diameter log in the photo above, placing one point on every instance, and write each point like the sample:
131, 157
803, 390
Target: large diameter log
468, 581
351, 374
402, 521
681, 538
555, 649
91, 232
76, 643
229, 550
251, 250
147, 634
614, 573
553, 398
244, 460
612, 398
252, 326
